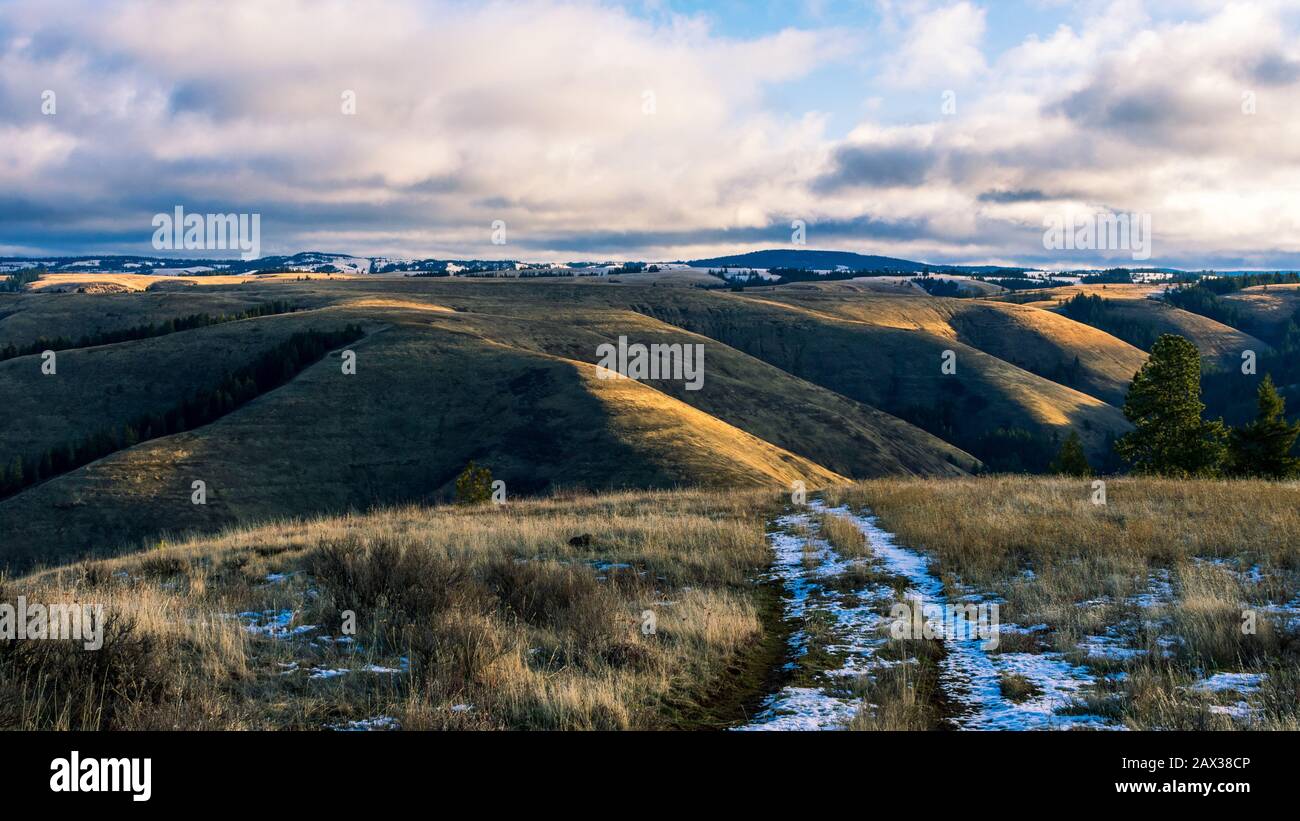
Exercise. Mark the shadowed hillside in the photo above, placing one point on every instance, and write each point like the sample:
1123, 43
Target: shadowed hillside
799, 382
1043, 343
897, 367
421, 405
1129, 312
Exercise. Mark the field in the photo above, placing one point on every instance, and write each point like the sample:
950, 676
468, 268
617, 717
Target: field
287, 551
528, 616
664, 610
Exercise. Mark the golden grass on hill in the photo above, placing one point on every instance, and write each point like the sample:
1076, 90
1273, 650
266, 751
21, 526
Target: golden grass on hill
989, 529
1267, 304
396, 431
535, 615
1129, 304
1046, 298
529, 616
896, 368
701, 443
448, 373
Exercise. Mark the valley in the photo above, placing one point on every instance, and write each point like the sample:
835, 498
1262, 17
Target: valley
654, 563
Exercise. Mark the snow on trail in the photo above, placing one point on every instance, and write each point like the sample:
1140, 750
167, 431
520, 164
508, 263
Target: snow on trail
970, 676
856, 630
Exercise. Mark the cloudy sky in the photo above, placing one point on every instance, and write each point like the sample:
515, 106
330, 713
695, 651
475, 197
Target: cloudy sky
672, 129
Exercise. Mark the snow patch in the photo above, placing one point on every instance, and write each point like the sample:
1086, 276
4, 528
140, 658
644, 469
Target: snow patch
367, 725
968, 673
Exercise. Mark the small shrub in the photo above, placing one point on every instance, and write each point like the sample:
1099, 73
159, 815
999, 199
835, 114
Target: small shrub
59, 685
474, 485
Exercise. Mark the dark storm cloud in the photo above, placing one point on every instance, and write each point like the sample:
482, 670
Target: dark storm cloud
1112, 106
875, 166
775, 232
1022, 195
1275, 70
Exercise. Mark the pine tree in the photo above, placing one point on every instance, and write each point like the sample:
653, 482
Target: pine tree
1263, 447
1071, 460
1164, 404
474, 485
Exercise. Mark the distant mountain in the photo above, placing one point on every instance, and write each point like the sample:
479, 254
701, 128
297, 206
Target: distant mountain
321, 262
835, 260
812, 260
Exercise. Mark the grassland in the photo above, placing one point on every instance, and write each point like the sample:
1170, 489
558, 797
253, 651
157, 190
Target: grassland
894, 363
650, 610
802, 381
327, 442
1267, 307
1038, 341
449, 372
328, 495
534, 615
1150, 591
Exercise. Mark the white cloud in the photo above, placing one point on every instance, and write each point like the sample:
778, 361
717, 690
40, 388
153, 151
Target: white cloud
534, 112
940, 47
27, 152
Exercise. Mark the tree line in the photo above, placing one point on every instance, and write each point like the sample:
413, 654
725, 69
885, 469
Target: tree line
1202, 296
270, 370
1172, 437
145, 331
1100, 313
15, 282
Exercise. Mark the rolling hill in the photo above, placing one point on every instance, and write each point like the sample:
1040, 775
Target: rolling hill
812, 383
1134, 314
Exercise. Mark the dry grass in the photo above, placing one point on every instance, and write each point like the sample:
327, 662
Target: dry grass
498, 621
499, 618
904, 696
843, 535
1017, 688
1168, 567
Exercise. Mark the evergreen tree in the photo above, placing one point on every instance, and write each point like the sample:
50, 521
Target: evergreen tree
1164, 404
1263, 447
1071, 460
474, 485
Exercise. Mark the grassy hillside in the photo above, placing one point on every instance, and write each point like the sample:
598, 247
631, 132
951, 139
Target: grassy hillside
1148, 592
1132, 315
1267, 307
1038, 341
108, 386
894, 365
451, 372
30, 316
483, 618
815, 382
421, 405
847, 437
651, 610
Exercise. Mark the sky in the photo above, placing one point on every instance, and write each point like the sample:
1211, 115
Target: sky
949, 132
